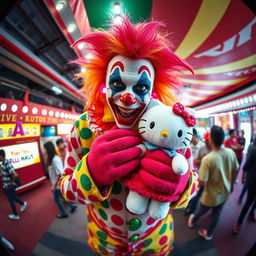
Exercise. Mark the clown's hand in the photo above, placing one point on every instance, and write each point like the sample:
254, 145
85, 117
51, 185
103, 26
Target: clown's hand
157, 173
114, 155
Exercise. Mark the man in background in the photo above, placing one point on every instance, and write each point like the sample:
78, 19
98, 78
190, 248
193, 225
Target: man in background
217, 174
10, 183
61, 149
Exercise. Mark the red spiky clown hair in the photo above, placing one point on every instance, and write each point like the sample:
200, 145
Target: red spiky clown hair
145, 40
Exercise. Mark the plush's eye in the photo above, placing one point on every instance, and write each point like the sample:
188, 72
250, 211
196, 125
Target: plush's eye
152, 125
180, 133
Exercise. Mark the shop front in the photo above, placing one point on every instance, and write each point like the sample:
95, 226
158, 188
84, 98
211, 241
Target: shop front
22, 134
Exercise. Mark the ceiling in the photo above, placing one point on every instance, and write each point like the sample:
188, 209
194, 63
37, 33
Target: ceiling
217, 38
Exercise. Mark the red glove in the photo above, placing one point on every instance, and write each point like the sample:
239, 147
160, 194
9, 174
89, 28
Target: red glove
113, 155
157, 173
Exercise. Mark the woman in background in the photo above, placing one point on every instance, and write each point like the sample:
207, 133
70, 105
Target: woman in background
55, 168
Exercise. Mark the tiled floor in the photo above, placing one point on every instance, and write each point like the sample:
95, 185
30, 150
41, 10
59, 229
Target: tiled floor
39, 233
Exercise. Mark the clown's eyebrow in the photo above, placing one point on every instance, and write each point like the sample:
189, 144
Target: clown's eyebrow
118, 64
144, 68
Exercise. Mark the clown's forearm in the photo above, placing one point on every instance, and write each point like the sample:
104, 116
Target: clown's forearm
79, 187
188, 194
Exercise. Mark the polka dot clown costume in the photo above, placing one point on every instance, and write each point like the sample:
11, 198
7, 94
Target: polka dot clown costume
130, 65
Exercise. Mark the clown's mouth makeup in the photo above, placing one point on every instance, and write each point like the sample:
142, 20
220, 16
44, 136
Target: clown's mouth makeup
125, 115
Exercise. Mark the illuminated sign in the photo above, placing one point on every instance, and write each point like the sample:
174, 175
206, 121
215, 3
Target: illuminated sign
21, 155
63, 129
18, 130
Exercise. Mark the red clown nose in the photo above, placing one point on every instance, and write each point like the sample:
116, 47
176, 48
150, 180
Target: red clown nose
127, 99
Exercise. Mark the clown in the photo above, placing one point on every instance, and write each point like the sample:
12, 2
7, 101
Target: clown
130, 65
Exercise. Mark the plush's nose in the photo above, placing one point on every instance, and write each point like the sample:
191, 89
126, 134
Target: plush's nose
164, 133
128, 99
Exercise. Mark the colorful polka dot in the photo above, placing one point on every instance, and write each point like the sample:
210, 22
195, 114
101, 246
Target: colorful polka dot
150, 221
134, 224
74, 142
68, 171
116, 230
149, 251
104, 243
79, 165
69, 147
116, 204
71, 161
163, 229
117, 188
147, 242
171, 226
85, 151
103, 214
70, 195
105, 204
163, 240
80, 193
93, 198
74, 185
83, 117
85, 133
77, 123
102, 235
117, 220
85, 182
102, 249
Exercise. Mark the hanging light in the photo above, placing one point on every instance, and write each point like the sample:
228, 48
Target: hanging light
71, 28
60, 5
117, 8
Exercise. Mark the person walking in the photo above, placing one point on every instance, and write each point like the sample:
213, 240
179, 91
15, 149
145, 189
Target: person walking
217, 174
10, 183
203, 151
55, 167
250, 169
244, 176
61, 149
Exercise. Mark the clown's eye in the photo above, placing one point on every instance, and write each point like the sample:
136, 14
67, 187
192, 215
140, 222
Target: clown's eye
118, 84
141, 87
180, 133
152, 125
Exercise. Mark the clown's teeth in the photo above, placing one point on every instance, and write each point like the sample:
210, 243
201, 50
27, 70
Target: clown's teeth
126, 110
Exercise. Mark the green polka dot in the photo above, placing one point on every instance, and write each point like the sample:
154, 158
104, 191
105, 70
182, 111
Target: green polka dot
190, 181
85, 182
83, 117
134, 238
147, 242
77, 123
149, 251
102, 235
85, 151
103, 242
171, 226
103, 249
163, 229
105, 204
85, 133
103, 214
117, 188
134, 224
79, 165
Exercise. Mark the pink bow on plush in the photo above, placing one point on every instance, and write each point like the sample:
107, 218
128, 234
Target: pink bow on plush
179, 110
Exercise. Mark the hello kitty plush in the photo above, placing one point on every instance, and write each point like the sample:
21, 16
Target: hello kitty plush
167, 129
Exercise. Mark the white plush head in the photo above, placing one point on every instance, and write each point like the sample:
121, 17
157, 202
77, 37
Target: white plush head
167, 127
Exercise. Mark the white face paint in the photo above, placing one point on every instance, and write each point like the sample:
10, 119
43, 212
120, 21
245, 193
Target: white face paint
129, 85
